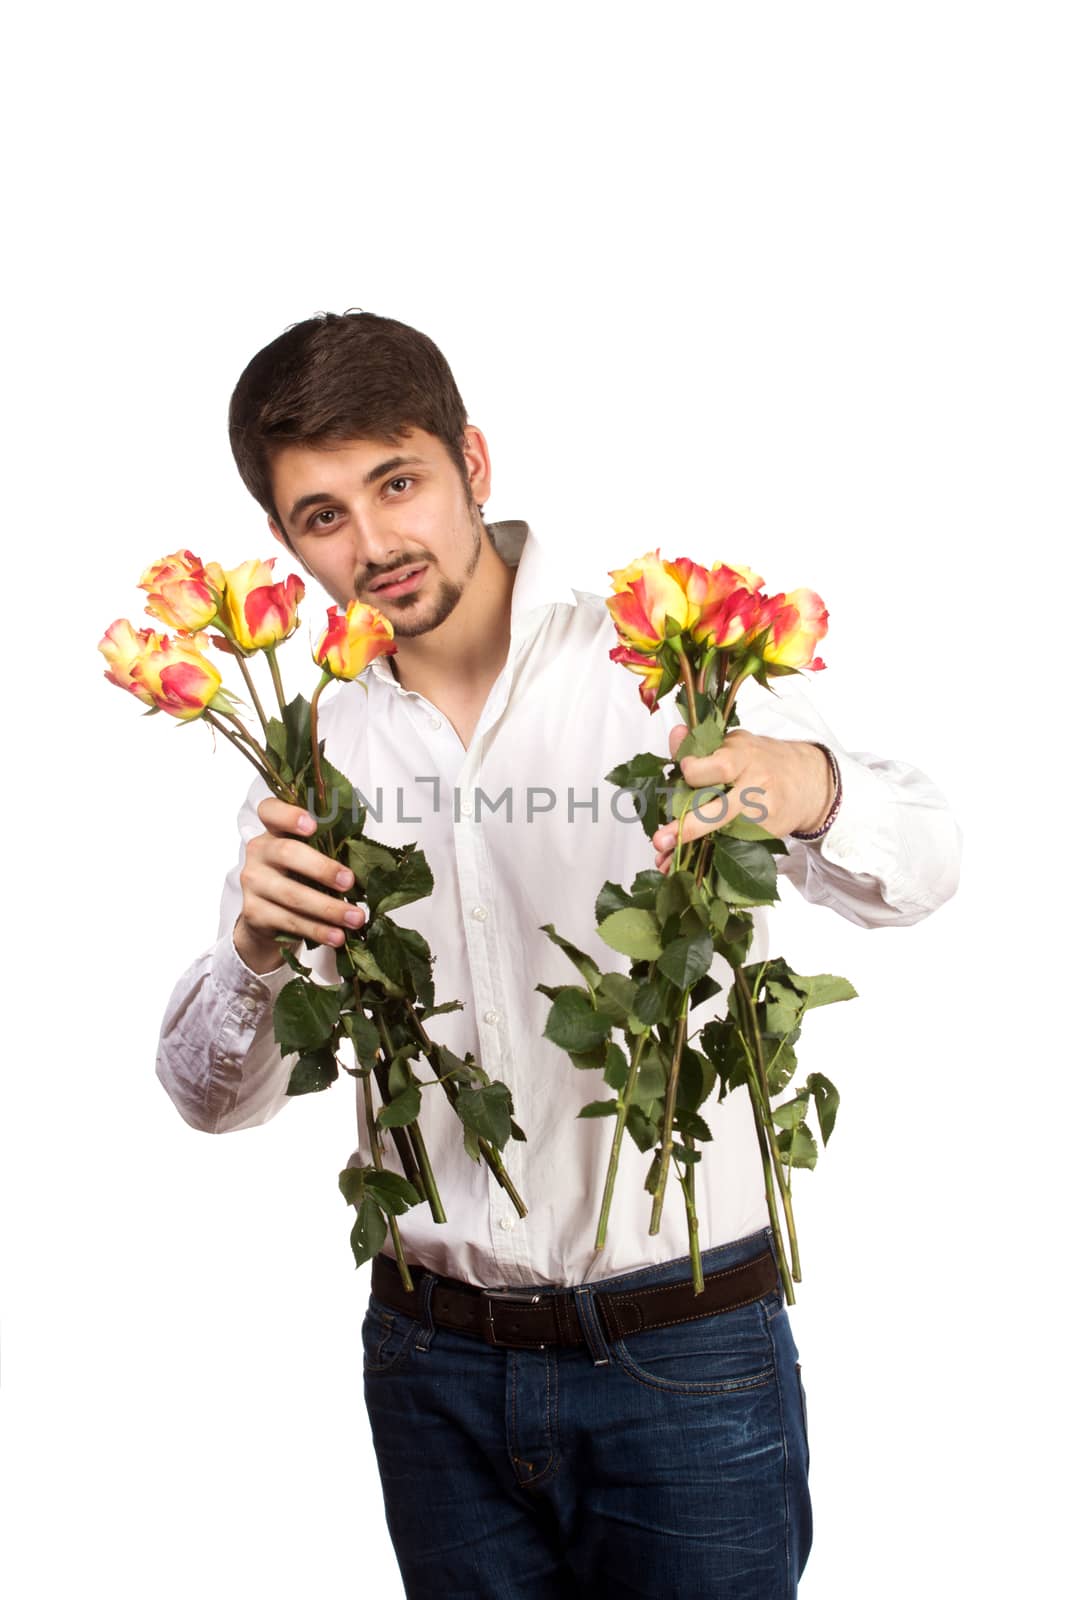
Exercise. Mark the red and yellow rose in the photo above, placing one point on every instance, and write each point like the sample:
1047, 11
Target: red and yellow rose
352, 639
182, 591
256, 612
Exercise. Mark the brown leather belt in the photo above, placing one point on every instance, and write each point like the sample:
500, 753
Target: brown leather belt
521, 1319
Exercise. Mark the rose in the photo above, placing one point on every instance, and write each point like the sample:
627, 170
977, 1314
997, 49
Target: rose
182, 592
257, 613
651, 590
176, 676
730, 608
797, 621
352, 639
122, 647
650, 669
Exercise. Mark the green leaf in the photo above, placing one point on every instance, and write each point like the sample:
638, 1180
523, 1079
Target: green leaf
487, 1111
797, 1147
686, 960
792, 1113
651, 1082
314, 1070
402, 1109
350, 1180
689, 1123
823, 989
633, 933
615, 997
644, 891
447, 1064
745, 871
364, 857
643, 776
616, 1069
398, 885
826, 1100
368, 1232
704, 739
696, 1079
675, 895
369, 969
305, 1015
643, 1132
393, 1193
655, 999
585, 964
612, 897
600, 1108
705, 988
687, 1157
742, 827
573, 1024
364, 1036
297, 718
781, 1010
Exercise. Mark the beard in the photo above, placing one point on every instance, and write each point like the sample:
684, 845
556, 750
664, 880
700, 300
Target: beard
448, 597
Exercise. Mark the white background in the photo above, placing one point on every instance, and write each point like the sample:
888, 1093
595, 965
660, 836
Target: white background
781, 284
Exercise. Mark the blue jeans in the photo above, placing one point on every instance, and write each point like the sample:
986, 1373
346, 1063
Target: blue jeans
678, 1467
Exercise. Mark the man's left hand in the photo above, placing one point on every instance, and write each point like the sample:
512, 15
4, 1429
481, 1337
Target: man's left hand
785, 785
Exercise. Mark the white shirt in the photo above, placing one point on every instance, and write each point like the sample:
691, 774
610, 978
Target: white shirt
519, 830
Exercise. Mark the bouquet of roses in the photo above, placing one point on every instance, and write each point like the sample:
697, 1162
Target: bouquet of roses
385, 994
701, 631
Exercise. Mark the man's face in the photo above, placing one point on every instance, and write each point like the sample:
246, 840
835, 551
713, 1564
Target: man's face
357, 512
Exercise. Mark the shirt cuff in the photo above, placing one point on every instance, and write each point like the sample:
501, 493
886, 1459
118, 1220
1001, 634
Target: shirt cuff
256, 990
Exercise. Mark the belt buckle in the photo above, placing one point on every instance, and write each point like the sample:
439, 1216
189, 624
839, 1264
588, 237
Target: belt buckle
521, 1298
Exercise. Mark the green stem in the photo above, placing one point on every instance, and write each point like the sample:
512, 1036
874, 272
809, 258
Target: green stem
616, 1143
489, 1151
276, 676
768, 1186
316, 760
689, 1190
269, 776
422, 1155
379, 1166
765, 1108
247, 676
667, 1133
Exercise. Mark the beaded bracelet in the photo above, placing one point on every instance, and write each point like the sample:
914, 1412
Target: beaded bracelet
835, 807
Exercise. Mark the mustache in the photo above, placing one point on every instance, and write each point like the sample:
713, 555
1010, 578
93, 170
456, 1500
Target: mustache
382, 573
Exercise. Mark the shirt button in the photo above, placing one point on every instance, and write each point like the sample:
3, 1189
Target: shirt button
435, 723
507, 1222
491, 1016
466, 807
249, 1003
479, 913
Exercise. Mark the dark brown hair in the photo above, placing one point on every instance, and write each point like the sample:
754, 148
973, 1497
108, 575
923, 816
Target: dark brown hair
333, 377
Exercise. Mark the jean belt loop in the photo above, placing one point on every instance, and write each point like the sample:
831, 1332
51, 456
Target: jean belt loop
592, 1328
424, 1337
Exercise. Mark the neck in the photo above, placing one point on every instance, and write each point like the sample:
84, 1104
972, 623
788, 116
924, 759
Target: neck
470, 647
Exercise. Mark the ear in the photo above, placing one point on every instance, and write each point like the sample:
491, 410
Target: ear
279, 535
479, 468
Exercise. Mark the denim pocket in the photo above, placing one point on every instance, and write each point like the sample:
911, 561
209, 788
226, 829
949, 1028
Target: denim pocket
387, 1337
708, 1355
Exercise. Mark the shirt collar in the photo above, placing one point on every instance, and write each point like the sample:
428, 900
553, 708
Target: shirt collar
539, 583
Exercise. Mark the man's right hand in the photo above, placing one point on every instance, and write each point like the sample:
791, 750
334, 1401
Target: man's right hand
276, 901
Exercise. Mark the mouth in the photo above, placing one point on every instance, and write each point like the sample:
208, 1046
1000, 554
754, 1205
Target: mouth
408, 580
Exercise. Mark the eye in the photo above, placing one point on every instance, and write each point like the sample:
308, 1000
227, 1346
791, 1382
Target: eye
394, 481
327, 513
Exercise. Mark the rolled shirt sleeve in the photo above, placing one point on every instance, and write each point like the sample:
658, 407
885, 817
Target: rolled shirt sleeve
893, 853
217, 1057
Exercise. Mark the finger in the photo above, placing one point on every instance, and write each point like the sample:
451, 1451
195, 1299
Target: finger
282, 853
278, 817
277, 903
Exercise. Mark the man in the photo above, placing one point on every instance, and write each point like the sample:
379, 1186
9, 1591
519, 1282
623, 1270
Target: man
528, 1445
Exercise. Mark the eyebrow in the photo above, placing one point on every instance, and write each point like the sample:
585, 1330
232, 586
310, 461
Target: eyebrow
382, 470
